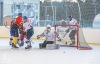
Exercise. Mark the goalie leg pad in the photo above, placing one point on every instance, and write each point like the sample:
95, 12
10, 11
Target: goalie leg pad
44, 44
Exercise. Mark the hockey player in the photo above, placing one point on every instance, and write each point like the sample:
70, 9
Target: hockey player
15, 26
20, 25
72, 29
23, 34
11, 30
49, 35
28, 29
14, 32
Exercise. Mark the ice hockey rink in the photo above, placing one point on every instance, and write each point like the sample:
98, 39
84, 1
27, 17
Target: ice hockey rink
53, 12
64, 55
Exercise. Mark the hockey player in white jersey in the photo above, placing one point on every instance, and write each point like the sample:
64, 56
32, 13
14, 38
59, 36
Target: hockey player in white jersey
72, 29
49, 35
22, 35
28, 29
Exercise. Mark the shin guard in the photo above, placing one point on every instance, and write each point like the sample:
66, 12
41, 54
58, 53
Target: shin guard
15, 40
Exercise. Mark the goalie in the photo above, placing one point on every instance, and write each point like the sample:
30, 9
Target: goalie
72, 29
49, 35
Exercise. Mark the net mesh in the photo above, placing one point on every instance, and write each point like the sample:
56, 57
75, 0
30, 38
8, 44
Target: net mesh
63, 38
83, 45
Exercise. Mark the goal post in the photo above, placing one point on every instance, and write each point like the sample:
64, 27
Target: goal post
65, 39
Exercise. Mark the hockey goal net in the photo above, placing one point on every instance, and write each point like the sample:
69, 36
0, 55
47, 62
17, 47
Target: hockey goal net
65, 38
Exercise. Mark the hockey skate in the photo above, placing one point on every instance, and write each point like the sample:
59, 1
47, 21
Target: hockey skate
28, 47
10, 42
14, 46
71, 45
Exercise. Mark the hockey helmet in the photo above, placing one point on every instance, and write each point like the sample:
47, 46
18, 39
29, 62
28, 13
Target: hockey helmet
25, 18
70, 17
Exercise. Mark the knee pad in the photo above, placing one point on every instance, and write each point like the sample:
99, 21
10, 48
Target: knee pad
11, 38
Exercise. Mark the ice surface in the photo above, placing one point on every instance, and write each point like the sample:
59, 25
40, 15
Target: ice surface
65, 55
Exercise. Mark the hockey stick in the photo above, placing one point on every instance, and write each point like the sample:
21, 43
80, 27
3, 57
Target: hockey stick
65, 34
6, 25
61, 39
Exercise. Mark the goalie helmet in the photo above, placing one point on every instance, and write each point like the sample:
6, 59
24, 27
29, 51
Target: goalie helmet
48, 27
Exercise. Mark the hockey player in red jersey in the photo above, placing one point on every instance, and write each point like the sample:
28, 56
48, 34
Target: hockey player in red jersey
15, 26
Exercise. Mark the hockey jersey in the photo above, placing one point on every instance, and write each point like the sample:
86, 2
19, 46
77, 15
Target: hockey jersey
27, 25
49, 35
19, 20
73, 22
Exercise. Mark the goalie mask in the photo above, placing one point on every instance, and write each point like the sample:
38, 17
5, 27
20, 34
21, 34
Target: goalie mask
48, 28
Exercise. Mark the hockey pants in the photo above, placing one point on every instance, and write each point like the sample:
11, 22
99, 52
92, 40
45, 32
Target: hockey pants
72, 36
46, 42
